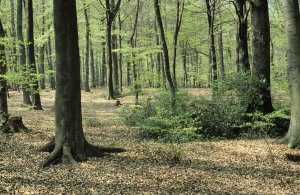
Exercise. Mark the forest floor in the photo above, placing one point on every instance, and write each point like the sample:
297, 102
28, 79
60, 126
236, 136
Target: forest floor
147, 167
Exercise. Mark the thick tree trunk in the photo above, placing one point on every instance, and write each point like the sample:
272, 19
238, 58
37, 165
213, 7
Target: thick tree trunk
292, 26
165, 51
36, 99
70, 144
26, 93
87, 51
261, 53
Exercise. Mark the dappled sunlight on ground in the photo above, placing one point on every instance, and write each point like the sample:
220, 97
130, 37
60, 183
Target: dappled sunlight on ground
229, 166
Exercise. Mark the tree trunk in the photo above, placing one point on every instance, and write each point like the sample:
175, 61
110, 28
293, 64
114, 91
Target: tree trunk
158, 55
115, 61
50, 65
261, 53
70, 144
3, 69
211, 21
179, 14
120, 54
87, 51
292, 28
42, 51
103, 66
92, 65
36, 99
165, 51
25, 87
13, 35
242, 13
221, 55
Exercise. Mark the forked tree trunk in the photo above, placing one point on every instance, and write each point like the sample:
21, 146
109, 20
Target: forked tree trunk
292, 26
70, 144
36, 99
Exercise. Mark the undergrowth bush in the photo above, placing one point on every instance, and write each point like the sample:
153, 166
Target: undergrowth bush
224, 115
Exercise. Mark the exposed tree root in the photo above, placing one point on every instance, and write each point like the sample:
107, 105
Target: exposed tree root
67, 155
12, 124
292, 157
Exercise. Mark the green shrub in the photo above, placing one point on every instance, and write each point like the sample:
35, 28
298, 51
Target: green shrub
224, 115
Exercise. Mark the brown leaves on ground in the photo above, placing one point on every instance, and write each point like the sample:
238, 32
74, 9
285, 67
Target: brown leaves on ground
235, 166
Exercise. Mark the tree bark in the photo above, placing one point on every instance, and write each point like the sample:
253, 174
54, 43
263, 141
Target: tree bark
42, 51
93, 81
50, 65
3, 69
25, 87
211, 20
292, 29
36, 99
221, 54
87, 51
261, 53
242, 13
165, 50
69, 144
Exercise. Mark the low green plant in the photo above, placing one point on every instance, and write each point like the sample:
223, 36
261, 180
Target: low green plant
92, 122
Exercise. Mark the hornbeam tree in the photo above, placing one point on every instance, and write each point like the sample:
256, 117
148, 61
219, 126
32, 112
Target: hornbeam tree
69, 144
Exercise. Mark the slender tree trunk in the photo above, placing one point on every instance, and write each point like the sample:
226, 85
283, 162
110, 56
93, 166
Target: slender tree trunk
92, 65
103, 66
221, 55
25, 87
120, 53
242, 13
3, 69
158, 56
42, 50
36, 99
261, 52
133, 45
50, 65
115, 61
13, 35
211, 20
165, 51
292, 29
237, 59
179, 14
87, 51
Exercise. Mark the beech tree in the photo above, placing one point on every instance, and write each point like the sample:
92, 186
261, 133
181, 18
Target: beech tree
261, 53
36, 99
292, 30
69, 144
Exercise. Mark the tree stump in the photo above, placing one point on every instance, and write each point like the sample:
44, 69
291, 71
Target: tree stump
10, 124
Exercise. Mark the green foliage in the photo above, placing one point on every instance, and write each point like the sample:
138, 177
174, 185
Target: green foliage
225, 115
